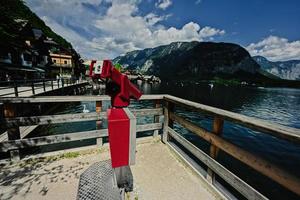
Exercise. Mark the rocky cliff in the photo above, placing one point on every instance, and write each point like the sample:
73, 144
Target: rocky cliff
186, 60
289, 70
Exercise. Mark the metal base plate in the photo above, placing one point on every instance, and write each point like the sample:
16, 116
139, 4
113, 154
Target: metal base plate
99, 182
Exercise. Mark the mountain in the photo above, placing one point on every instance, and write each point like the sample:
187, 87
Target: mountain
12, 10
192, 60
289, 70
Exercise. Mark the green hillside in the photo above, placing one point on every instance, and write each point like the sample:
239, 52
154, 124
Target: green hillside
16, 9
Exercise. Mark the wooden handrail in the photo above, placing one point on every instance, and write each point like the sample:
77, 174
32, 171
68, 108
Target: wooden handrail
259, 164
241, 186
67, 137
67, 118
287, 133
77, 98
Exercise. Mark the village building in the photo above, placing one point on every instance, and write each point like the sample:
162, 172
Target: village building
62, 63
33, 55
26, 59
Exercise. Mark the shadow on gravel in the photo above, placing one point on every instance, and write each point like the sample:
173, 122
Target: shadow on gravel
38, 173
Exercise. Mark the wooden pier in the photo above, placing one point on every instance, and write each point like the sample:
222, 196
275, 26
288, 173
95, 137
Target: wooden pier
164, 105
32, 88
38, 87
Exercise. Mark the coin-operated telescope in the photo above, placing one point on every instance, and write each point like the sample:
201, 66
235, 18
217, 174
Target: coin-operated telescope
102, 180
121, 122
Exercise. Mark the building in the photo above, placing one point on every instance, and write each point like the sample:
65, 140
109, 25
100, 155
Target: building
30, 54
62, 63
26, 58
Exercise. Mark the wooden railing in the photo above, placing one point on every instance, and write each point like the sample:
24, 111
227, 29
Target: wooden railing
218, 143
12, 123
13, 87
163, 105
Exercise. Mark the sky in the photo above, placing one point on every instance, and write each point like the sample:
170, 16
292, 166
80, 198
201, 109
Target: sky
104, 29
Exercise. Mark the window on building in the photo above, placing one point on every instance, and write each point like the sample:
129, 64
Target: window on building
65, 62
27, 57
54, 60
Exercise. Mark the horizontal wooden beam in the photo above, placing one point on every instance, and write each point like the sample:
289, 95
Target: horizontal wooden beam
148, 127
261, 165
54, 99
67, 118
147, 112
68, 137
52, 119
288, 133
237, 183
51, 99
53, 139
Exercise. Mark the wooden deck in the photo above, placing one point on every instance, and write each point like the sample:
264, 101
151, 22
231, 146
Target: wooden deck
158, 174
27, 91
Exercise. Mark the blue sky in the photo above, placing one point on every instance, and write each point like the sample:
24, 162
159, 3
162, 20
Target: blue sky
107, 28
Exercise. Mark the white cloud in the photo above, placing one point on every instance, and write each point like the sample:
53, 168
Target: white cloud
276, 48
153, 19
108, 28
163, 4
81, 44
209, 32
198, 2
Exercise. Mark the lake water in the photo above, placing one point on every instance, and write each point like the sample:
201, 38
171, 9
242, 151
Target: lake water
278, 105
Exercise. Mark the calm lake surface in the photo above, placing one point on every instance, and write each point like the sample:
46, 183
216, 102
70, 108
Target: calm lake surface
278, 105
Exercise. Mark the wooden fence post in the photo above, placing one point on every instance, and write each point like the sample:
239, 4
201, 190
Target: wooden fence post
217, 129
52, 84
169, 107
62, 86
13, 133
16, 89
156, 117
44, 85
99, 122
32, 87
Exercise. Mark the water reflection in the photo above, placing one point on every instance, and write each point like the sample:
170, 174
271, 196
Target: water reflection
280, 105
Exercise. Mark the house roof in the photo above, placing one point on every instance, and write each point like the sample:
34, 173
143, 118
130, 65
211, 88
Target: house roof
60, 55
50, 42
21, 22
37, 33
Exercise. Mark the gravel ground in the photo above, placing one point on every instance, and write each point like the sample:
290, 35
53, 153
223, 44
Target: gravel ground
158, 174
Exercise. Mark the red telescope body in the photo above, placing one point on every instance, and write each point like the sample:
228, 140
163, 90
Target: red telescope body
121, 122
92, 67
120, 98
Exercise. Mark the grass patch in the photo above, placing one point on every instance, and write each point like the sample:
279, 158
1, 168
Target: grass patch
70, 155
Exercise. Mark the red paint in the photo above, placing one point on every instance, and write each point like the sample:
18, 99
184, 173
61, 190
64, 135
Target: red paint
92, 68
92, 73
118, 128
127, 89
